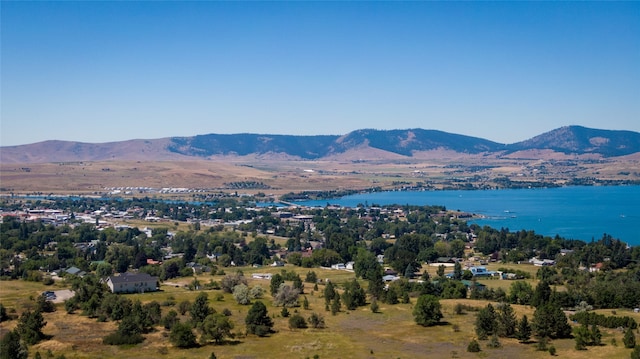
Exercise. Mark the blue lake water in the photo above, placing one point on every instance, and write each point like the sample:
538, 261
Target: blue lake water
571, 212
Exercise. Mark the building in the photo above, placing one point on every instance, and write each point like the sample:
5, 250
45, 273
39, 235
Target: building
481, 272
132, 283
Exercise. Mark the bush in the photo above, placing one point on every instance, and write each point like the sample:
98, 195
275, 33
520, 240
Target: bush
316, 321
182, 336
473, 346
297, 322
121, 339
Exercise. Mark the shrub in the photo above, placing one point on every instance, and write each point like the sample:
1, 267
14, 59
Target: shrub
118, 338
297, 322
316, 321
473, 346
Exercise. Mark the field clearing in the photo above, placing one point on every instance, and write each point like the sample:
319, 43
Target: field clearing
391, 333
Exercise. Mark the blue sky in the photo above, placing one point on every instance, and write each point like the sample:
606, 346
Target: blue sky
505, 71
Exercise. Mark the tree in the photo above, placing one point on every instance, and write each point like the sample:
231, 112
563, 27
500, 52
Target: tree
329, 293
200, 308
582, 337
170, 319
231, 280
353, 295
629, 339
182, 336
524, 330
311, 277
258, 321
241, 294
11, 347
520, 292
316, 321
427, 310
286, 296
506, 320
3, 313
635, 354
215, 327
256, 292
541, 294
549, 321
457, 271
297, 321
486, 322
30, 327
129, 332
276, 281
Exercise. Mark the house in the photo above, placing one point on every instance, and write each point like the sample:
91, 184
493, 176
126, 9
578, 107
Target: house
470, 285
75, 271
261, 276
541, 263
390, 278
132, 283
481, 272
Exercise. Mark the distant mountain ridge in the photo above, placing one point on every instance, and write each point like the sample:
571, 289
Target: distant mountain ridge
576, 140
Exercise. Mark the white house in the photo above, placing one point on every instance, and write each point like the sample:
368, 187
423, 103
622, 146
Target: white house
132, 283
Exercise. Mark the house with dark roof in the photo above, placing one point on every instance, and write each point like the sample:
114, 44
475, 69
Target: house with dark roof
132, 283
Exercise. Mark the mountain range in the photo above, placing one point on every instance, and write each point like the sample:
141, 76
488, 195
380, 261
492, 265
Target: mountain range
368, 143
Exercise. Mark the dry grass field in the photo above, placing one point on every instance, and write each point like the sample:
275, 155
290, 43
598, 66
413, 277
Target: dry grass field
288, 175
391, 333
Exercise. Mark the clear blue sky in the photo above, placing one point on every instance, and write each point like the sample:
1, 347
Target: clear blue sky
505, 71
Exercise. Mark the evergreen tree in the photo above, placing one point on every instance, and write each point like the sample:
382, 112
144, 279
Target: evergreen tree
427, 310
30, 327
336, 305
353, 295
274, 285
541, 294
258, 321
549, 321
329, 293
200, 308
457, 271
596, 335
524, 330
629, 339
11, 347
506, 321
182, 336
582, 336
215, 327
486, 322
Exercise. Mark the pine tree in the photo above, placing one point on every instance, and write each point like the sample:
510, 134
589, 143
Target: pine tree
629, 339
200, 308
524, 330
11, 347
258, 321
507, 321
486, 323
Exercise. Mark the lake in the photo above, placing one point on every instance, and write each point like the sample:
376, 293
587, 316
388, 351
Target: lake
571, 212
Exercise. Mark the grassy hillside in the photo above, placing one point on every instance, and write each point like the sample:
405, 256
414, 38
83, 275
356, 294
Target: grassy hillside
391, 333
